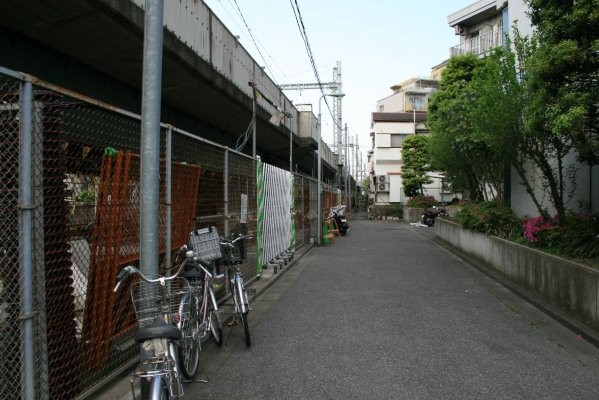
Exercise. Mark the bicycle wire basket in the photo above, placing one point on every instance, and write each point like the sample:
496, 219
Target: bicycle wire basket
205, 242
233, 254
169, 301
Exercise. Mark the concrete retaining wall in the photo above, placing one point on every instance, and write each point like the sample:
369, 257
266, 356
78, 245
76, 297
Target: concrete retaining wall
412, 214
567, 286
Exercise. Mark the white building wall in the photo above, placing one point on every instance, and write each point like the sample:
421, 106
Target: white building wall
396, 194
393, 103
584, 189
517, 11
394, 127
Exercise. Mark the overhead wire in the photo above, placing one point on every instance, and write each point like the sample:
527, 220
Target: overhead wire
300, 23
253, 40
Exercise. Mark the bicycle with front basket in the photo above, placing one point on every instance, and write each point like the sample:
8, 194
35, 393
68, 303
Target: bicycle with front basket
233, 259
160, 313
202, 307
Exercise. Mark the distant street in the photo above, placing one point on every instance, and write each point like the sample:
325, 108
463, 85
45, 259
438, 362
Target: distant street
386, 313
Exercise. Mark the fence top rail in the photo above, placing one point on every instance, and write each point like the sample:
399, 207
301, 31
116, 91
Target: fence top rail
106, 106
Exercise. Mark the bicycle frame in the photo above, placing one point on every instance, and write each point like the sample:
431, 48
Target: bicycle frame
206, 293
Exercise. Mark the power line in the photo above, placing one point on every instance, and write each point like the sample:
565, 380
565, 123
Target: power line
300, 24
253, 40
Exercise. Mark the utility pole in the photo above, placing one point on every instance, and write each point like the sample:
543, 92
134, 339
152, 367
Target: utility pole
335, 87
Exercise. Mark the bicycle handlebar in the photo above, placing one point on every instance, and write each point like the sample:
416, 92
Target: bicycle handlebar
229, 242
199, 262
130, 269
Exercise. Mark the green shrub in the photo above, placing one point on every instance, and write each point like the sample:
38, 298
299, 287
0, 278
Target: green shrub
422, 201
86, 196
391, 210
490, 218
577, 238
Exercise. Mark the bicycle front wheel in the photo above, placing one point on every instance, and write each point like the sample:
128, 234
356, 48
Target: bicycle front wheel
188, 346
242, 308
246, 329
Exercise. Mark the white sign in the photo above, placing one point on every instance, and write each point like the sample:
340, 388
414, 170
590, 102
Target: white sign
244, 208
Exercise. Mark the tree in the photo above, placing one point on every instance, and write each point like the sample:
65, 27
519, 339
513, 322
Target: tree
456, 147
415, 165
498, 115
517, 117
566, 71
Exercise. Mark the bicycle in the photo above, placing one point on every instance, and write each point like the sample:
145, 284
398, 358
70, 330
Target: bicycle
160, 314
232, 260
202, 307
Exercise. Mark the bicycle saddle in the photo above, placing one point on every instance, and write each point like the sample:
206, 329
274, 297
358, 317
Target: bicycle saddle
157, 329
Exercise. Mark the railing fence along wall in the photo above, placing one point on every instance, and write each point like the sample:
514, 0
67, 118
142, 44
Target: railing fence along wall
69, 204
480, 44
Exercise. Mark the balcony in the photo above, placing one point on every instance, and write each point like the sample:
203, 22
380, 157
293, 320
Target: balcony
480, 45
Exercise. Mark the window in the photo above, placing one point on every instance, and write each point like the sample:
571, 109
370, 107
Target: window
417, 103
381, 108
475, 42
397, 140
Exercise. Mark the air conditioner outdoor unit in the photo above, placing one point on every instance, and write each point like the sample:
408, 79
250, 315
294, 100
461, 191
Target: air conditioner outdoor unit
382, 179
382, 187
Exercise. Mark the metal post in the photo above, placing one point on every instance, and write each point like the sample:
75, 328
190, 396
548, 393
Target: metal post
254, 121
168, 200
150, 136
319, 178
226, 192
346, 165
26, 245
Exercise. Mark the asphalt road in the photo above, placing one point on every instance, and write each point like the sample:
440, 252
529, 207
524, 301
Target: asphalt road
386, 313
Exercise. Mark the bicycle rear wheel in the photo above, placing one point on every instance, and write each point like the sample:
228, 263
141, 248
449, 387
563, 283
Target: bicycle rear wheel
216, 329
155, 389
188, 347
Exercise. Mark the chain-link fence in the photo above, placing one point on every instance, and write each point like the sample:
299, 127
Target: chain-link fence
69, 203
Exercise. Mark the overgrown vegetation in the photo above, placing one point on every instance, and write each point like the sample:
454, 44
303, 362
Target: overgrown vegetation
422, 201
389, 210
490, 218
577, 238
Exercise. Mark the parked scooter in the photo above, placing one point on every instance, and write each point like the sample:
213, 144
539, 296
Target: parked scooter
429, 216
338, 213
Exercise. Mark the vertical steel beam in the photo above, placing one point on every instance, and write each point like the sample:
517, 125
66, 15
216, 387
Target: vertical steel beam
150, 136
26, 243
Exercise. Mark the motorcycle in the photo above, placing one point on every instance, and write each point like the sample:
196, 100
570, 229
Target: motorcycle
338, 213
429, 216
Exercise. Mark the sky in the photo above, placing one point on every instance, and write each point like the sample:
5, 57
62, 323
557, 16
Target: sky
379, 43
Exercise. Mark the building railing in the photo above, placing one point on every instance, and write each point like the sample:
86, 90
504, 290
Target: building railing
479, 45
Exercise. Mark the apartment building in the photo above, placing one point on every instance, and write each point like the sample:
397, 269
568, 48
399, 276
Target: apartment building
401, 114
